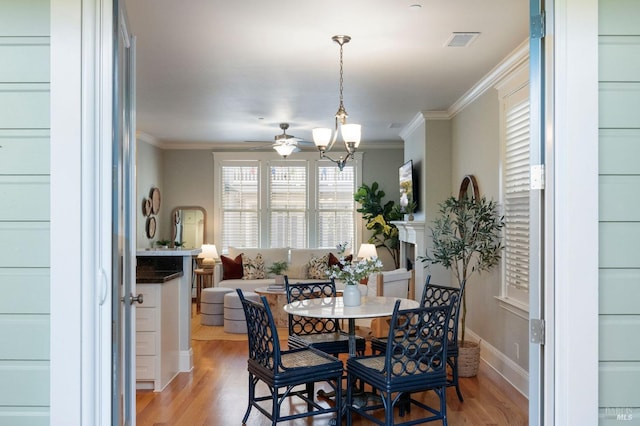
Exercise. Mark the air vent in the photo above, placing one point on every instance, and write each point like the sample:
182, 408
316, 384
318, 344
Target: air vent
461, 39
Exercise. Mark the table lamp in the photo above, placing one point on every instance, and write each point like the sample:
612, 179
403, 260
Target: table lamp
209, 255
367, 251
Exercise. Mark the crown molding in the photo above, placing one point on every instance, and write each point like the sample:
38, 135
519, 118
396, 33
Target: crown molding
515, 59
145, 137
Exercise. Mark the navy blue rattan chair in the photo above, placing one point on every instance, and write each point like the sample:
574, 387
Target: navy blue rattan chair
415, 360
284, 372
439, 295
323, 334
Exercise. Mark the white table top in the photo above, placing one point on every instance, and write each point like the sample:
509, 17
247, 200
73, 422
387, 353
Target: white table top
333, 307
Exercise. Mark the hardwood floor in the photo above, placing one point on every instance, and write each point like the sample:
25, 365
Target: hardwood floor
215, 394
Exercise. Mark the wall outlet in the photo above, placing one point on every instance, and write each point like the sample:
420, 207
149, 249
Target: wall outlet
517, 346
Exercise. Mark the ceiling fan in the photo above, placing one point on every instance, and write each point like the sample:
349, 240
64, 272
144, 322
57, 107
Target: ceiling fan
285, 144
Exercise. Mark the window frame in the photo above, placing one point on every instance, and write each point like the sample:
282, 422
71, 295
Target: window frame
265, 160
514, 86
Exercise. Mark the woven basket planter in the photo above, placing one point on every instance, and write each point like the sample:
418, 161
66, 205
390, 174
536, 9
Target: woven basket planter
468, 359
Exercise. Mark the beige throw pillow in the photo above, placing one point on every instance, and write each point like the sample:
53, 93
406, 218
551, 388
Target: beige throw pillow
317, 267
253, 269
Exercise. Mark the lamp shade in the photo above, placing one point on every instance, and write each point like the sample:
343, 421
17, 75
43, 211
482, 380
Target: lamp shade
321, 136
367, 251
351, 133
284, 149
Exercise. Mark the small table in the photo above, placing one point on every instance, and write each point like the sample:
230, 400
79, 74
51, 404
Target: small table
204, 278
276, 298
333, 307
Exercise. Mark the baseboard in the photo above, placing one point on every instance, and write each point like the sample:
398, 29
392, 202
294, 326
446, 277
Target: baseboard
503, 365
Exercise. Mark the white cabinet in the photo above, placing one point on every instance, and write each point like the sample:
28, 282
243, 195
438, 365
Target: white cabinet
157, 335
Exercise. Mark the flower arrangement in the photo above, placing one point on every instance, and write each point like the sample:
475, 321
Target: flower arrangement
342, 247
351, 273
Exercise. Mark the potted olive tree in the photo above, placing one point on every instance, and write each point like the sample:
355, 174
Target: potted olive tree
467, 238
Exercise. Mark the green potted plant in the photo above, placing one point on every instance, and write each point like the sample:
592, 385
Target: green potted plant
467, 238
379, 217
278, 269
163, 243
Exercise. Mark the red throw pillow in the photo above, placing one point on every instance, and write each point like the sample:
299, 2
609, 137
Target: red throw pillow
333, 260
231, 268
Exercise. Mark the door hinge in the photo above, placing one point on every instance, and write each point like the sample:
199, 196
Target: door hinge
537, 176
536, 331
537, 26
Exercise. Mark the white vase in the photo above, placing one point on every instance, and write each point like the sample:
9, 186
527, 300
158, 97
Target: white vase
351, 295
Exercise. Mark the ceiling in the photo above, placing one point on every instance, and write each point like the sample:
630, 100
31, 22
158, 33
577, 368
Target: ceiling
217, 73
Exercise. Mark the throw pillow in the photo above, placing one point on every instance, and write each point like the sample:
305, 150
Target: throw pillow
253, 269
317, 267
231, 268
333, 260
297, 271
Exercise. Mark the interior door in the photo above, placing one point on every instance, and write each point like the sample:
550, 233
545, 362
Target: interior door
124, 232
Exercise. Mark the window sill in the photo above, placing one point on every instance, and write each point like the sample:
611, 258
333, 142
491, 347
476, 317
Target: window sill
515, 307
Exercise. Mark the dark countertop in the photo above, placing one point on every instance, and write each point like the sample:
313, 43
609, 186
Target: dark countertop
152, 277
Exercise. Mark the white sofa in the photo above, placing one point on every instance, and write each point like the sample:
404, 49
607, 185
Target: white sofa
298, 260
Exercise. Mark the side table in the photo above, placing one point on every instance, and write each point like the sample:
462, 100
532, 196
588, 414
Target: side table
276, 299
204, 278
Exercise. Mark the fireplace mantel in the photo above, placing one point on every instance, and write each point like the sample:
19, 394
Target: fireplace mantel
412, 244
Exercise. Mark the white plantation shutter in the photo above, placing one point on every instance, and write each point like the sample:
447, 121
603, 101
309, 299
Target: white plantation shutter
336, 206
240, 206
516, 180
288, 206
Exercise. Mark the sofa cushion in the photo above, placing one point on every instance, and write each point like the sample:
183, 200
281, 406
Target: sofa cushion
317, 267
253, 268
298, 271
231, 267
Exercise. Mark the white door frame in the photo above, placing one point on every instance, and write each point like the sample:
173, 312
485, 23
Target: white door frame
573, 139
81, 93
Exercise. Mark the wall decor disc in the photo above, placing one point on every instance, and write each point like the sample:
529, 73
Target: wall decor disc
146, 207
155, 200
151, 227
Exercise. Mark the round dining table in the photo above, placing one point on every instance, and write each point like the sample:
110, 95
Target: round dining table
333, 307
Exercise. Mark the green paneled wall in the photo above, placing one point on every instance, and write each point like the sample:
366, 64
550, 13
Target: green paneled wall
25, 213
619, 211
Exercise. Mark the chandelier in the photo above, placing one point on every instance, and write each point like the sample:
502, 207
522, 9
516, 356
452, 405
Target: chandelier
325, 138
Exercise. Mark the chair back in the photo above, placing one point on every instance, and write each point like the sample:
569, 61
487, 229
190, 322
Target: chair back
417, 343
264, 346
396, 283
301, 326
439, 295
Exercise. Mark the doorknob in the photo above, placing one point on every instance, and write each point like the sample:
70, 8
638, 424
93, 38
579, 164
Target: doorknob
133, 299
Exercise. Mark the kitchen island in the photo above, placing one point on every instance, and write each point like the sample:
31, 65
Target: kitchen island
164, 277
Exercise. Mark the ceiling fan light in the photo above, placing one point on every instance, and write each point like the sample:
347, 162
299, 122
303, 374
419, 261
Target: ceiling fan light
321, 136
351, 133
285, 149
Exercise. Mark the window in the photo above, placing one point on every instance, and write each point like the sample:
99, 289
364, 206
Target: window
240, 205
288, 206
302, 202
515, 192
335, 205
